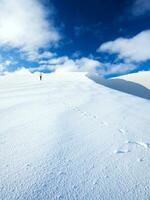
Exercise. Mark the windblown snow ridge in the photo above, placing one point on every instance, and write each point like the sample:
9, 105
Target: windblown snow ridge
133, 85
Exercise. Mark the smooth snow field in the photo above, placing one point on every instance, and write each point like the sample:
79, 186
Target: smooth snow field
66, 137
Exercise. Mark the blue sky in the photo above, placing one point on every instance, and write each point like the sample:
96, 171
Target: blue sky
109, 37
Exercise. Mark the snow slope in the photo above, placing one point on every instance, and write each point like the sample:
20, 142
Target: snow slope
142, 78
137, 84
67, 137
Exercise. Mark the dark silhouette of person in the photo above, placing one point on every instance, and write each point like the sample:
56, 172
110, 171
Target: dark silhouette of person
40, 76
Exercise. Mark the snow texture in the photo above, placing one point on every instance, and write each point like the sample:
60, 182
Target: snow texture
66, 137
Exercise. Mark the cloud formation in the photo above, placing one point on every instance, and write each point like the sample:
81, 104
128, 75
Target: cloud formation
117, 68
24, 25
83, 64
134, 49
35, 56
4, 64
66, 64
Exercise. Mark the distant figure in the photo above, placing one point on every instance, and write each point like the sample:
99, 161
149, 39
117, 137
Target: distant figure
40, 76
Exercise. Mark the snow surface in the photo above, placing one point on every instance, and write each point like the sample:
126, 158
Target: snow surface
137, 84
142, 78
67, 137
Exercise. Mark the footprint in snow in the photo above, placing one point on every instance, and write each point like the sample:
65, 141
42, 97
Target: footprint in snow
61, 174
139, 143
104, 123
28, 166
129, 143
60, 197
140, 159
120, 151
74, 187
122, 131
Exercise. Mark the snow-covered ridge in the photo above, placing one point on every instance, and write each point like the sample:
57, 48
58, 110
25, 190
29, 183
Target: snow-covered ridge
142, 78
66, 137
137, 84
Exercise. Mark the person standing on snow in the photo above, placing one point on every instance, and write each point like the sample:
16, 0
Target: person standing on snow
40, 76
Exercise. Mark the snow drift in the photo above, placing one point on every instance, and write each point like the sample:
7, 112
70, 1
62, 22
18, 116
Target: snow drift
67, 137
137, 84
142, 78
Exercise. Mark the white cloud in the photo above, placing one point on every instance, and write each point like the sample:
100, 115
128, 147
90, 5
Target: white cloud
84, 64
89, 65
35, 56
66, 64
59, 60
118, 68
4, 64
133, 49
54, 61
24, 25
76, 54
140, 7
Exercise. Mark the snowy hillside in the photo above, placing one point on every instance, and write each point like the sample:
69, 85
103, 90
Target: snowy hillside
137, 84
67, 137
142, 78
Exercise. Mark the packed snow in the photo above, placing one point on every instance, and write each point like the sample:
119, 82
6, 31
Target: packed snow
67, 137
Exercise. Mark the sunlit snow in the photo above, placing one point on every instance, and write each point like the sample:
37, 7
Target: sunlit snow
66, 137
